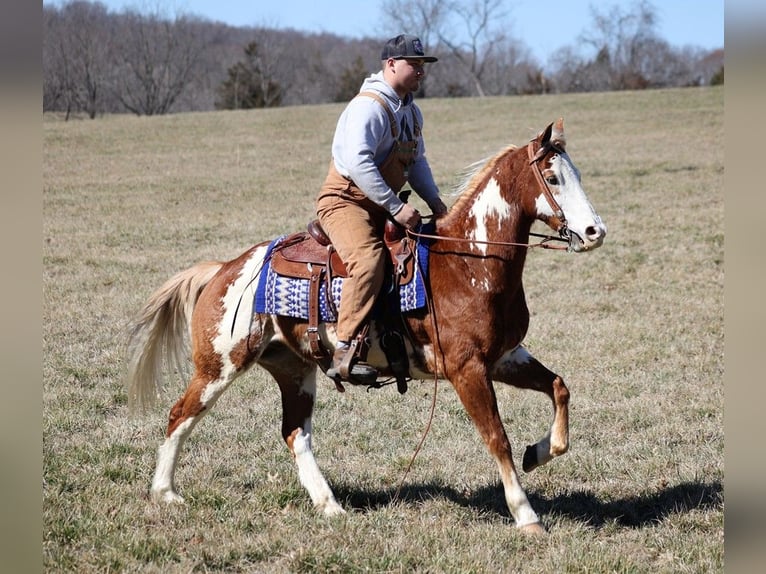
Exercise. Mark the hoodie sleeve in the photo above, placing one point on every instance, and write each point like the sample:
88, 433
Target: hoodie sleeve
359, 137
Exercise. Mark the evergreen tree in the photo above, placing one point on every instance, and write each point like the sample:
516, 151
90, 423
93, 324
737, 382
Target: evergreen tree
351, 80
248, 86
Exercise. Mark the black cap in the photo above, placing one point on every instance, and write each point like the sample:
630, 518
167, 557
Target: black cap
405, 46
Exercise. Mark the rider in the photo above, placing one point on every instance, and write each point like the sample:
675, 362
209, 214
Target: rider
377, 148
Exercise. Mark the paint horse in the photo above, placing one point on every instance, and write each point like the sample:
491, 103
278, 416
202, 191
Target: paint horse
470, 334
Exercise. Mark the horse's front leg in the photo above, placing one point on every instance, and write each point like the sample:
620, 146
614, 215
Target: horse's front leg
520, 369
474, 387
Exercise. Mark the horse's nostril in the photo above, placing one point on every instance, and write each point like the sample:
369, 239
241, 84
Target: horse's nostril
593, 232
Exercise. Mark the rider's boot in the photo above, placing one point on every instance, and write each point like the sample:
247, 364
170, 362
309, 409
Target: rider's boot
346, 367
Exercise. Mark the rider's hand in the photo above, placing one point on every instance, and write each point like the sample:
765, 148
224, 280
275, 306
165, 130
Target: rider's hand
407, 217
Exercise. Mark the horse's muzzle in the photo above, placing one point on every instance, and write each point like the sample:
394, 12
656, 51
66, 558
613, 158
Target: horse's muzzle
591, 238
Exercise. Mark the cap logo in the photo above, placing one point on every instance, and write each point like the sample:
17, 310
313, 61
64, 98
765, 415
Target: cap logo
417, 47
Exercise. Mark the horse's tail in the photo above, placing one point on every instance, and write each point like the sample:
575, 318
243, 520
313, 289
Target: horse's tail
161, 333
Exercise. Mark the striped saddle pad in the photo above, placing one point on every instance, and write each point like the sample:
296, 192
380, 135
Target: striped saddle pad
289, 296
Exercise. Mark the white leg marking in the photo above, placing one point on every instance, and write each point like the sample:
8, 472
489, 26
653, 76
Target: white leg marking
163, 486
543, 448
311, 477
516, 499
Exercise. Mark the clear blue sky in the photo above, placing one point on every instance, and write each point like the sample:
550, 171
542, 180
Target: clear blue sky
543, 26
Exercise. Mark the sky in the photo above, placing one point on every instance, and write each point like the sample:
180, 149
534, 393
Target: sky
543, 26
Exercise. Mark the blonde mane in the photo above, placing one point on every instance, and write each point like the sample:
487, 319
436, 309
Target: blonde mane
474, 175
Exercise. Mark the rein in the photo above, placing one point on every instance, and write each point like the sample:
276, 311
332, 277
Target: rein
544, 243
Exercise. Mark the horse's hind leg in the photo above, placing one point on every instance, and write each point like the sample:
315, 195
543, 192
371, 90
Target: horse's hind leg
297, 383
202, 392
520, 369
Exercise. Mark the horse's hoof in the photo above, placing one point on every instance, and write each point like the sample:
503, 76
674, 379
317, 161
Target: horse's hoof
333, 510
533, 529
167, 496
530, 463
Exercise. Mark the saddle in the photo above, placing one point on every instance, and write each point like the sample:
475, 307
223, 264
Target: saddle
310, 255
298, 254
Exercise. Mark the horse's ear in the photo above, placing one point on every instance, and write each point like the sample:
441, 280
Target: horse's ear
557, 134
545, 136
553, 135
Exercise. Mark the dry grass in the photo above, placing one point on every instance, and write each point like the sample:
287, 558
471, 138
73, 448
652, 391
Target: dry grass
636, 329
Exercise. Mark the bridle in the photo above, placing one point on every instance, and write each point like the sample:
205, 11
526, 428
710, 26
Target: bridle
565, 235
534, 158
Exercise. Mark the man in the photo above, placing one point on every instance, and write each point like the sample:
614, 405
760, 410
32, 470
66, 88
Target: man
377, 148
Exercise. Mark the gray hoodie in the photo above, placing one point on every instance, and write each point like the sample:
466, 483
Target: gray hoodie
363, 140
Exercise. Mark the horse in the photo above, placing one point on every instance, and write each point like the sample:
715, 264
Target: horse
470, 334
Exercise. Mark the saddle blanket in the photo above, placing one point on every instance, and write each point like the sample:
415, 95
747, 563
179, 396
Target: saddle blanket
288, 296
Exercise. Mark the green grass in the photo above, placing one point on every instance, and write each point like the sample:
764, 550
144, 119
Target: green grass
635, 328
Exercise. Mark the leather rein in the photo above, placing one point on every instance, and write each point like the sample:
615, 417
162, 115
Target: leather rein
564, 233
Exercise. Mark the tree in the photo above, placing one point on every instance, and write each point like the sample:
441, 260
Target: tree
248, 86
627, 54
424, 18
623, 40
156, 61
76, 53
717, 78
510, 70
97, 62
350, 80
475, 51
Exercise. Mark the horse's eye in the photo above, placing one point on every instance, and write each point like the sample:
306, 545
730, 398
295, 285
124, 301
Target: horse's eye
552, 179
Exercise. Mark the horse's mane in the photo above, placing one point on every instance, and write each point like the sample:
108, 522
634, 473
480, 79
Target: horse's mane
475, 174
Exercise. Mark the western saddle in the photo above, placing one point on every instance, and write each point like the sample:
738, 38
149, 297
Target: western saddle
310, 255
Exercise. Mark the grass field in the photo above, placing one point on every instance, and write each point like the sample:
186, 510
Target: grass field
635, 328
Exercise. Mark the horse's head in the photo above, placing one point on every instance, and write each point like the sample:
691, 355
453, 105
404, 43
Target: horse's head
562, 202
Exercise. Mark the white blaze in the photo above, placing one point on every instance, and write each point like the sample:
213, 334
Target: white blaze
570, 196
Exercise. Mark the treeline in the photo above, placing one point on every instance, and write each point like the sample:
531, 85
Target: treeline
96, 61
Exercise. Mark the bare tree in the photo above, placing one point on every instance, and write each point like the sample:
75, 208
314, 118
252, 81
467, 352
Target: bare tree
510, 70
57, 78
623, 39
157, 60
626, 54
76, 52
471, 32
423, 18
221, 50
481, 21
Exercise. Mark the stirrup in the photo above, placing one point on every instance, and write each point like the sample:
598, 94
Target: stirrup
345, 368
359, 374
